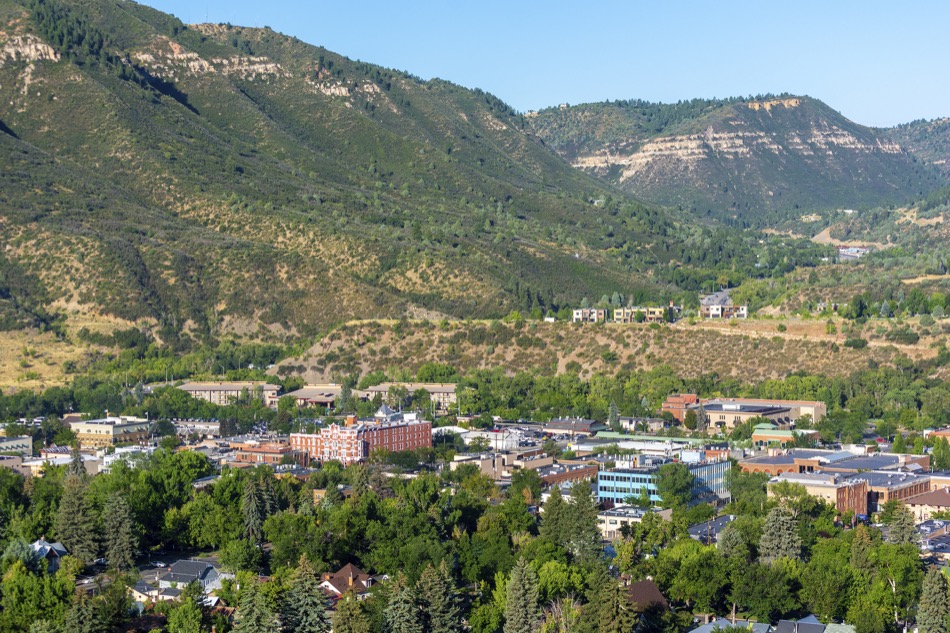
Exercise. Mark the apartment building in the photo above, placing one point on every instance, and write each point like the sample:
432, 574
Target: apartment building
441, 394
844, 493
226, 392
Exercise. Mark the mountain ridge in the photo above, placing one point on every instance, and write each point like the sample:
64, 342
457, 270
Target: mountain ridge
750, 160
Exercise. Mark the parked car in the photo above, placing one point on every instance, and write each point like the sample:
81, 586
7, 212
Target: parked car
101, 561
159, 563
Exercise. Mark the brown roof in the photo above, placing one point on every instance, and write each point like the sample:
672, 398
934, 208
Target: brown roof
938, 498
646, 594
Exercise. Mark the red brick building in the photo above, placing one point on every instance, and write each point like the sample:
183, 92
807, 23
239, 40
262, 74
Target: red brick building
677, 404
354, 441
270, 454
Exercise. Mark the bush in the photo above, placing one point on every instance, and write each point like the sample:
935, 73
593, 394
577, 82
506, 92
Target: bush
856, 343
781, 327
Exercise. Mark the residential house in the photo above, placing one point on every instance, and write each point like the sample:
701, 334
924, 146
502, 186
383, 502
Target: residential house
349, 578
52, 553
647, 597
589, 315
724, 625
719, 305
184, 572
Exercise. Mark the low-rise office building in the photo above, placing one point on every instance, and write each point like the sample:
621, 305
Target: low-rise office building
95, 434
322, 396
813, 460
834, 488
884, 486
22, 445
618, 485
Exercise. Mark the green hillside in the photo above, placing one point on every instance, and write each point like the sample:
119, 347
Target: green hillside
213, 180
928, 140
756, 161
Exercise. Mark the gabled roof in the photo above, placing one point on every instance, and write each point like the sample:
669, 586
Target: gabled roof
723, 624
938, 498
186, 571
45, 549
645, 594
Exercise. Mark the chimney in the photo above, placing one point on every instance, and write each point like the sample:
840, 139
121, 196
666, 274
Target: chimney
349, 580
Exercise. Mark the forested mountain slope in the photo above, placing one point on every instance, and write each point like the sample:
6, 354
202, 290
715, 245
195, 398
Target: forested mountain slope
750, 160
212, 179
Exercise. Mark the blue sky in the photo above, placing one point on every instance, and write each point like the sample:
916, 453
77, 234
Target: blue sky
879, 63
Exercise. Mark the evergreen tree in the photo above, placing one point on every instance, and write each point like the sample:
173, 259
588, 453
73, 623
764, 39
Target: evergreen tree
900, 444
305, 606
861, 547
902, 528
780, 537
252, 512
254, 614
934, 603
554, 518
402, 613
83, 617
439, 597
75, 466
617, 614
581, 531
522, 611
613, 417
731, 543
350, 616
121, 544
185, 618
74, 523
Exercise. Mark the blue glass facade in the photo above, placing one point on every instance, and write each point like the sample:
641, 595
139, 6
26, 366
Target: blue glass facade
615, 486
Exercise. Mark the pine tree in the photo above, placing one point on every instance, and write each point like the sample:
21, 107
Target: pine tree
305, 606
74, 524
902, 529
731, 544
583, 535
350, 616
439, 598
254, 614
554, 517
252, 512
121, 545
83, 617
616, 613
522, 612
613, 417
402, 613
780, 537
934, 603
76, 466
861, 550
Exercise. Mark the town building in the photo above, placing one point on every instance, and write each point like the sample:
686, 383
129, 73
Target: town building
589, 315
677, 405
226, 392
560, 473
796, 408
199, 428
709, 483
323, 396
573, 426
838, 490
707, 532
500, 466
719, 305
353, 441
765, 434
639, 314
94, 434
442, 395
925, 505
799, 460
269, 453
22, 445
884, 486
727, 415
611, 522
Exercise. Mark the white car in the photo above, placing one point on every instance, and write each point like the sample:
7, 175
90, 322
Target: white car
159, 563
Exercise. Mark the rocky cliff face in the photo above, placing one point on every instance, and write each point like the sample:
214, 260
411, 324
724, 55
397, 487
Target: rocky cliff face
745, 159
